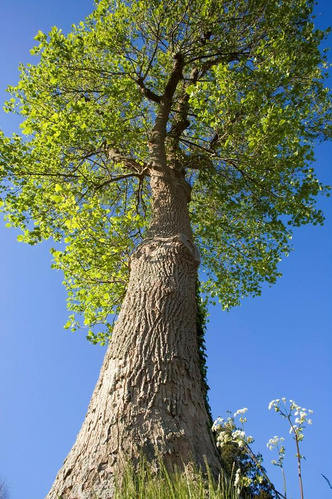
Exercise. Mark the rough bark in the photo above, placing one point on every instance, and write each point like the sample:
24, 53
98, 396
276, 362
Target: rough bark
149, 397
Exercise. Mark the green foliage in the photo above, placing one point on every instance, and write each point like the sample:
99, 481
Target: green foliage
244, 116
238, 460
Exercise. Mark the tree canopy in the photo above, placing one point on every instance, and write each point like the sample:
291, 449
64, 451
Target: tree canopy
244, 84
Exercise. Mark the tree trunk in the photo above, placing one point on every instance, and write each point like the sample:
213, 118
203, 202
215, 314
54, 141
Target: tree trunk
149, 398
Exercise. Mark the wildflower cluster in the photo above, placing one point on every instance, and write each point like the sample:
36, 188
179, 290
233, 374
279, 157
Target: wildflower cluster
298, 418
244, 467
296, 415
277, 443
239, 461
227, 430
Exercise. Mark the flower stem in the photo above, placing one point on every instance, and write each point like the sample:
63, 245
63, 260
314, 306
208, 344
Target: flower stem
298, 455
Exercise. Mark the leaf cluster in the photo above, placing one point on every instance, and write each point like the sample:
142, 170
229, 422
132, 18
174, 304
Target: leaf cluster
244, 86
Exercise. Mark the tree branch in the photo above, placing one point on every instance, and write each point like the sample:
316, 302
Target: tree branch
115, 179
138, 168
175, 77
45, 174
147, 92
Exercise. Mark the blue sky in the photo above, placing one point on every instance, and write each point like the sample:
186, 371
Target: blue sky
277, 345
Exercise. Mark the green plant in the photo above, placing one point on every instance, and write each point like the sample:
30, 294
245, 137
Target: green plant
277, 443
150, 482
297, 418
239, 461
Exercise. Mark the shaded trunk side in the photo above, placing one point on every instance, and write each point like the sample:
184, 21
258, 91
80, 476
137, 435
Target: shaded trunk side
149, 397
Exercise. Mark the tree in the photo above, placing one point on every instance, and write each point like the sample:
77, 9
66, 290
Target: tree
156, 134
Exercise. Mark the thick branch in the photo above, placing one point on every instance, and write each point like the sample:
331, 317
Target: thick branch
138, 167
147, 92
182, 122
158, 134
175, 77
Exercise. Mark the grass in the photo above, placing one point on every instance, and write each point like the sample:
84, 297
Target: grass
145, 483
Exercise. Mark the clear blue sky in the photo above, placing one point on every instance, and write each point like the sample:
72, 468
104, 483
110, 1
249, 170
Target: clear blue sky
277, 345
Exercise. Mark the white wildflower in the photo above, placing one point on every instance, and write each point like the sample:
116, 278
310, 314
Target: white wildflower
238, 434
240, 411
